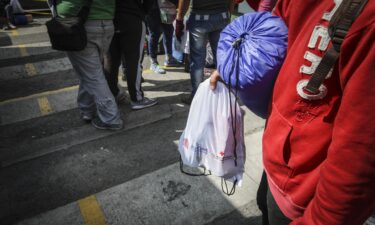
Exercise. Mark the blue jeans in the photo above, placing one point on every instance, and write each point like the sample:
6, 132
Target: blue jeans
155, 27
203, 28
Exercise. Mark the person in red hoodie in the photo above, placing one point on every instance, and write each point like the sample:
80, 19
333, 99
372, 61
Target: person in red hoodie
319, 155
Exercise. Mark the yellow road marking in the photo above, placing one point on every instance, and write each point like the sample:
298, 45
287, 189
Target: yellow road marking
147, 72
30, 69
14, 33
44, 106
91, 212
171, 67
23, 50
39, 95
40, 13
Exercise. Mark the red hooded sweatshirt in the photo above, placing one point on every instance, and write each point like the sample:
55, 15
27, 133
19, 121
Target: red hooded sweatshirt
319, 155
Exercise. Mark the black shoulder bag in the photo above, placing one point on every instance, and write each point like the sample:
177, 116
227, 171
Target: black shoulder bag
68, 34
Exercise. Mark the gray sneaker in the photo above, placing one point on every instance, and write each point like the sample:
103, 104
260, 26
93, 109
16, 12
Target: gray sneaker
97, 123
144, 103
156, 68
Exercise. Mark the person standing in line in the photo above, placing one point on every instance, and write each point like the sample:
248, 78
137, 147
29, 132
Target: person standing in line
260, 5
128, 42
155, 27
319, 148
95, 99
266, 5
5, 15
207, 19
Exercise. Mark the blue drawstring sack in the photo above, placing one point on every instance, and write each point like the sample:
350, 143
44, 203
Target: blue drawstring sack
250, 53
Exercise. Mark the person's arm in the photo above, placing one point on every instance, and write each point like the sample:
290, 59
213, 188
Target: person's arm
345, 192
214, 78
183, 6
266, 5
232, 4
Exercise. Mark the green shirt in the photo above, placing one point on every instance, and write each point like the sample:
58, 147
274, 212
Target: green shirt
99, 10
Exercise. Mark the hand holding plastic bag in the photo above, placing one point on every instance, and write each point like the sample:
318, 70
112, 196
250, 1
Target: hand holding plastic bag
181, 35
213, 137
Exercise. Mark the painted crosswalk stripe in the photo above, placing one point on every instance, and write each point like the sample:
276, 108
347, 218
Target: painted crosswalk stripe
23, 50
91, 212
39, 95
44, 106
30, 69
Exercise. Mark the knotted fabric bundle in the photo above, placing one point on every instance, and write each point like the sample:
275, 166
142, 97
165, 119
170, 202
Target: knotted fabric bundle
250, 53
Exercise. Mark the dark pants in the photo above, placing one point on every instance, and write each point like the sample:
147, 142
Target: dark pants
271, 213
155, 28
3, 5
127, 43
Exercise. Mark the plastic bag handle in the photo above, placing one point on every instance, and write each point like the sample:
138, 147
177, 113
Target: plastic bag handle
236, 45
226, 191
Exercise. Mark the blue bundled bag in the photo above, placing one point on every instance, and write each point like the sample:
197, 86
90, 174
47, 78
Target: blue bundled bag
250, 53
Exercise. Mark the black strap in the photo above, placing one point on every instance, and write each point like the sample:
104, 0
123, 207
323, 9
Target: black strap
83, 12
327, 63
342, 20
227, 191
235, 66
338, 29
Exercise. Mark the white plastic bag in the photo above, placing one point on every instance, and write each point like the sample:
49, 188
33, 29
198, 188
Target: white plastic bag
183, 45
213, 133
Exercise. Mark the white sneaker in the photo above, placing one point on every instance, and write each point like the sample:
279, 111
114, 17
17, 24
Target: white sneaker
156, 68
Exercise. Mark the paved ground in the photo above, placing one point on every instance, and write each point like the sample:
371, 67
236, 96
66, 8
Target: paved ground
55, 169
